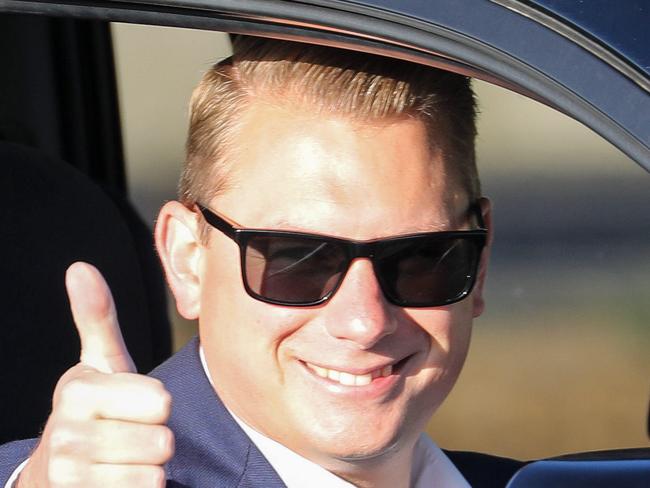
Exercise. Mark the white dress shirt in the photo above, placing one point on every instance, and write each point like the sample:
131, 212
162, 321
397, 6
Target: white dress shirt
14, 476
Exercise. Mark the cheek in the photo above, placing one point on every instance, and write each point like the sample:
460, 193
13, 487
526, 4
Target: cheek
225, 304
238, 329
448, 330
236, 323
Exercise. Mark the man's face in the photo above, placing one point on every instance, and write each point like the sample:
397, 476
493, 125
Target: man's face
358, 181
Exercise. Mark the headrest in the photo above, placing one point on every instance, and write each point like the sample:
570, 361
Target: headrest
52, 215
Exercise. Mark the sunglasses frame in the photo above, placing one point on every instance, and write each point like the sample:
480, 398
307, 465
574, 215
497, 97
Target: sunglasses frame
353, 249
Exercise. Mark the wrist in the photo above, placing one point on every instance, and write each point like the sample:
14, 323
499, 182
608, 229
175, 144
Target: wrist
25, 477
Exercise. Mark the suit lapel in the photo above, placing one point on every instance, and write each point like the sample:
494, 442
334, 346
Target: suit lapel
211, 449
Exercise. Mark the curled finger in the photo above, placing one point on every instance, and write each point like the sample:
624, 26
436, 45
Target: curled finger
118, 442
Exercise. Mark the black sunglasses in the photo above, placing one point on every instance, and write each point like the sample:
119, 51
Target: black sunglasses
299, 269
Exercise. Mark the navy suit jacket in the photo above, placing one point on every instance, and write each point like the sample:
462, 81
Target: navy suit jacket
212, 451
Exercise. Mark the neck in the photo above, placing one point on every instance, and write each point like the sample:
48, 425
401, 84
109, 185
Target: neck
390, 470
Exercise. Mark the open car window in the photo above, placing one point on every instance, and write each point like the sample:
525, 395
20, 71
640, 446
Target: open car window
565, 325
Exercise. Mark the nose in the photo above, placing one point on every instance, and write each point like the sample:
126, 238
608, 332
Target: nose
358, 311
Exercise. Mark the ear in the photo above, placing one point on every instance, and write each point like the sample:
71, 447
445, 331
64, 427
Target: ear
179, 248
477, 294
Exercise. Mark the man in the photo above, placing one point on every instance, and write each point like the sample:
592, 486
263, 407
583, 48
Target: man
331, 240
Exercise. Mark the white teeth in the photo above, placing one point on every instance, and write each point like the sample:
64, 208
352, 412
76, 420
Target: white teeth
349, 379
333, 375
322, 372
363, 380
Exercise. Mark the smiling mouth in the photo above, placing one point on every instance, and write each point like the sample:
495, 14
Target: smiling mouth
349, 379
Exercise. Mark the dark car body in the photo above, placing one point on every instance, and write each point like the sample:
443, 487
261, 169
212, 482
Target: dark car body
590, 62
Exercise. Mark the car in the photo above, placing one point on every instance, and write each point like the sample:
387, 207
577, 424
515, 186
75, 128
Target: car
590, 63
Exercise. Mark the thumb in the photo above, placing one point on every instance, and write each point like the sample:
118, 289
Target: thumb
93, 310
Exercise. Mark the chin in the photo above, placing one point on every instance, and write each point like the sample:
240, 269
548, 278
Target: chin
369, 453
356, 445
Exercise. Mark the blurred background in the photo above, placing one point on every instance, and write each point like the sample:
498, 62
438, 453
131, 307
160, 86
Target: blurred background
560, 361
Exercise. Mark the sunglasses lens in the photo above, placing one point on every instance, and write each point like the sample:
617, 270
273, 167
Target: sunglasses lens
292, 270
425, 272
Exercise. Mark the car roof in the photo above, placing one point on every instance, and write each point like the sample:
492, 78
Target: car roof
506, 42
621, 27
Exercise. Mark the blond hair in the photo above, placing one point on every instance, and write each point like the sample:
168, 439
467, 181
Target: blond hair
330, 81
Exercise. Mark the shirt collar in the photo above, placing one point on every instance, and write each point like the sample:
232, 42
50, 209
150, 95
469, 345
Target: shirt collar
431, 466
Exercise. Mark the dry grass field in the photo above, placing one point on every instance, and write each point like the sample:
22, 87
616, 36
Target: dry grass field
567, 381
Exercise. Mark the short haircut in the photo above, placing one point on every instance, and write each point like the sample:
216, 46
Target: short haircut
324, 80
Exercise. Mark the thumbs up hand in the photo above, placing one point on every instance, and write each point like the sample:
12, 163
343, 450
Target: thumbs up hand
107, 426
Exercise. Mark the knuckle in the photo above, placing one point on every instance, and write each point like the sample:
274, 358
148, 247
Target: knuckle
167, 443
149, 477
156, 383
64, 471
157, 386
163, 400
61, 439
75, 390
157, 476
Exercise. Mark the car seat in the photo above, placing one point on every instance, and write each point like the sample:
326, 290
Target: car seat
51, 216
